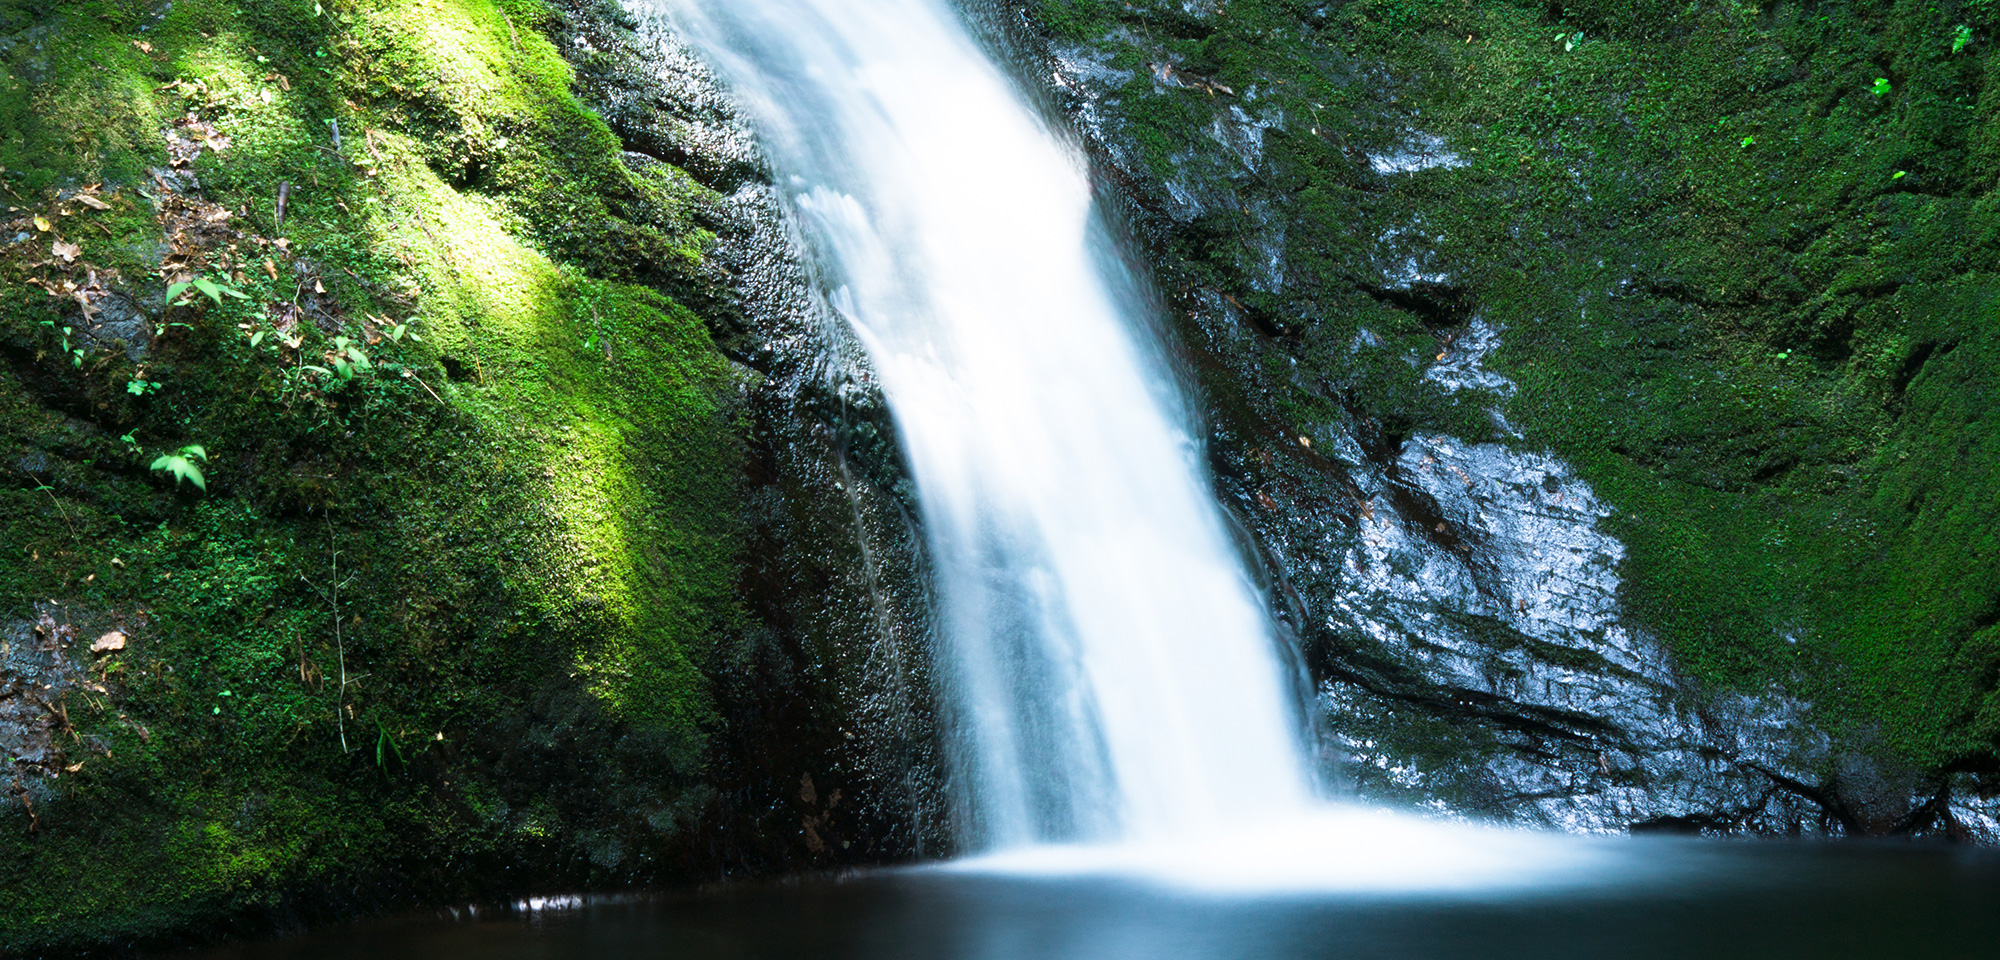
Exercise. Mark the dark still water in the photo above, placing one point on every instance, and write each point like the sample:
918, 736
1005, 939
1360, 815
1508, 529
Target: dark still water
1692, 900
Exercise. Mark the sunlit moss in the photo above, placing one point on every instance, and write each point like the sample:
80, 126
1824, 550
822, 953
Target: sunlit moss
530, 511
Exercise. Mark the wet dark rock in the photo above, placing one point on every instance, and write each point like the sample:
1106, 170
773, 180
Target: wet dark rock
119, 323
834, 575
44, 660
656, 96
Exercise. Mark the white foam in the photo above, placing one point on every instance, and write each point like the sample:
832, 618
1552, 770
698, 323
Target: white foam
1338, 850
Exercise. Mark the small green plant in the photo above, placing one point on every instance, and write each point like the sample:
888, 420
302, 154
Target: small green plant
1749, 141
209, 288
1960, 37
1882, 86
181, 464
140, 388
130, 441
1900, 174
385, 747
348, 358
74, 352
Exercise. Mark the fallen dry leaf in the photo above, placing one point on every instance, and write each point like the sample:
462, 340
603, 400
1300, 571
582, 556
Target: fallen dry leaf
113, 640
143, 46
67, 252
270, 268
92, 202
42, 223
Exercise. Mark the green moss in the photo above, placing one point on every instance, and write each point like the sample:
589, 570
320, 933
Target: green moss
529, 507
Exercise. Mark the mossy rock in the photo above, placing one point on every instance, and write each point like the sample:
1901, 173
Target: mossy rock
438, 621
1742, 287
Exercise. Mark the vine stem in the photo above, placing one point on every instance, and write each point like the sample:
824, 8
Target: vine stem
332, 597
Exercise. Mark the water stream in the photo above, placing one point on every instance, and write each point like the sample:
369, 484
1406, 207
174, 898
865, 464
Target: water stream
1111, 672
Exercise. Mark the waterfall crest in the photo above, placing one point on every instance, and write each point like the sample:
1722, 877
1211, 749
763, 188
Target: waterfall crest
1110, 670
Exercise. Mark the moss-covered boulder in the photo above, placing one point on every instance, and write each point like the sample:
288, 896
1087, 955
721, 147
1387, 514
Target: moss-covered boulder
378, 524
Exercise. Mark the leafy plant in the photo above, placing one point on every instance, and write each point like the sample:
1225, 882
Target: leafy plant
348, 358
1960, 37
75, 352
1882, 86
213, 290
385, 747
181, 464
1749, 141
140, 388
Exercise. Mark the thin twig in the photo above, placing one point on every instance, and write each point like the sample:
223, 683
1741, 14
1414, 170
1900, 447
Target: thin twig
339, 643
427, 388
21, 790
51, 491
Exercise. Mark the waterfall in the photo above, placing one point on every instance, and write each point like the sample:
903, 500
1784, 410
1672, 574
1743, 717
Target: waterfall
1110, 670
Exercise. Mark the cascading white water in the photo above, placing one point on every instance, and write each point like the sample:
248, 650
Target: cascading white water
1111, 671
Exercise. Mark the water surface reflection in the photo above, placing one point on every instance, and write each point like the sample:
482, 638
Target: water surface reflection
1705, 900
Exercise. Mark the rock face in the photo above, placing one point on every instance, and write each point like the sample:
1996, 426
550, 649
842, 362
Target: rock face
835, 571
1485, 570
1549, 411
